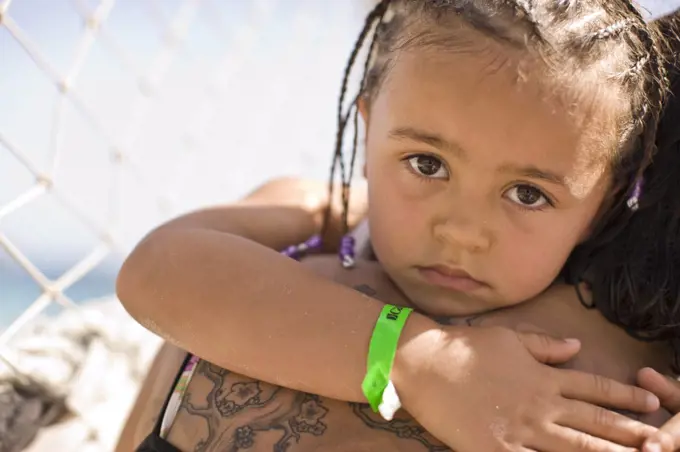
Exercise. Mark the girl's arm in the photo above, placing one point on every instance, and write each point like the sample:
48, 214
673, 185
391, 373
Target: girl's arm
203, 283
200, 284
280, 213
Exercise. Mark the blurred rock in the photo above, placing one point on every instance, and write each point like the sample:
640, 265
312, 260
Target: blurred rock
78, 376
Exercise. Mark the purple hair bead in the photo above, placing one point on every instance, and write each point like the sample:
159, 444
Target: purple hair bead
298, 251
634, 200
347, 251
314, 242
291, 251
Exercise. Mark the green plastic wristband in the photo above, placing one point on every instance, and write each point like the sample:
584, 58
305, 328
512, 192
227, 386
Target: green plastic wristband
381, 352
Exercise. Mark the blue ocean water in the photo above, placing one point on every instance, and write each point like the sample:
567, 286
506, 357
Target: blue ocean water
18, 289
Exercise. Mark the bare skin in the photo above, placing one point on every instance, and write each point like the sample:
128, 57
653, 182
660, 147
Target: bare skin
479, 192
667, 438
227, 411
152, 394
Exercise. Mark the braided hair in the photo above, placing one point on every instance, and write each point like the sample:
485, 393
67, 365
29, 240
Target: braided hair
632, 259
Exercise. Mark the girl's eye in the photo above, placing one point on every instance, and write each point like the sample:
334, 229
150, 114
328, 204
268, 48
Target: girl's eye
428, 166
528, 197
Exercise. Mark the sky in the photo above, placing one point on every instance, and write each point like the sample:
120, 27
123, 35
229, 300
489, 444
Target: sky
245, 91
256, 94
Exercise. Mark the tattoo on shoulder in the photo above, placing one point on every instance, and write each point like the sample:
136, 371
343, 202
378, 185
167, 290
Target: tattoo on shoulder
241, 413
237, 409
406, 428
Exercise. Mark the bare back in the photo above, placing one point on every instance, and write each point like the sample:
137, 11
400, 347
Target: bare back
224, 411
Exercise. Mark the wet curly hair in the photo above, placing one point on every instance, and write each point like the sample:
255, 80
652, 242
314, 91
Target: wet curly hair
631, 261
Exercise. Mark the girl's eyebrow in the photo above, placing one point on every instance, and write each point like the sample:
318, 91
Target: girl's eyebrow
430, 138
534, 173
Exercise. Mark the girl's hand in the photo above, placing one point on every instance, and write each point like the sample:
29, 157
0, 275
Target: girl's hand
492, 389
667, 439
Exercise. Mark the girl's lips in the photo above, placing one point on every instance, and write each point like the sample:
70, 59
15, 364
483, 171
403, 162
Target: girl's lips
450, 278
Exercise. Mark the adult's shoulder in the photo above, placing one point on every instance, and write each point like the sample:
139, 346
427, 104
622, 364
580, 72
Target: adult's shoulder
367, 276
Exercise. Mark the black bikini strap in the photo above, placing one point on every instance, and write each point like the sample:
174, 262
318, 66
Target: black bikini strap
161, 415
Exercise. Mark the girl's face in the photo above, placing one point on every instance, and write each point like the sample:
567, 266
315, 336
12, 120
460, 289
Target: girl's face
480, 186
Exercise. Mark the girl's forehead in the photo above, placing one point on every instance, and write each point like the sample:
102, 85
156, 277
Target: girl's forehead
492, 110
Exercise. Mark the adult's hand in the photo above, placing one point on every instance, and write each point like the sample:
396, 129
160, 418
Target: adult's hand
667, 438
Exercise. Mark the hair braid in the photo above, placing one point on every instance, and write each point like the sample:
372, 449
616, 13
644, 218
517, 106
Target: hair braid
376, 14
612, 30
347, 182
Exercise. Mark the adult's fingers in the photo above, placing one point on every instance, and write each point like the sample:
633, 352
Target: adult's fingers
667, 438
665, 388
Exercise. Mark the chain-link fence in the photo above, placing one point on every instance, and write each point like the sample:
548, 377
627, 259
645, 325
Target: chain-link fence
115, 115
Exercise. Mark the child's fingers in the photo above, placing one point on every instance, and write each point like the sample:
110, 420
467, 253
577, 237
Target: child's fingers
547, 349
605, 392
563, 439
604, 424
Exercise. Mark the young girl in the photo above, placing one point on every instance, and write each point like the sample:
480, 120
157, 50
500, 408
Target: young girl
507, 144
